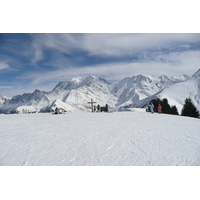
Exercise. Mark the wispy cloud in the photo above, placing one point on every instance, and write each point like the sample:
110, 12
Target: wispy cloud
5, 87
109, 45
4, 65
63, 43
175, 63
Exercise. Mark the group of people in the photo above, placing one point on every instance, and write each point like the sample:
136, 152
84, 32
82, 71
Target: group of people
96, 108
100, 109
151, 106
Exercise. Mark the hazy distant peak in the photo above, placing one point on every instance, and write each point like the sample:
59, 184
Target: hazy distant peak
197, 74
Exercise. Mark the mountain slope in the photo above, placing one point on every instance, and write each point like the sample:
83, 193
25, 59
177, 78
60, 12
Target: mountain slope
139, 87
36, 100
74, 95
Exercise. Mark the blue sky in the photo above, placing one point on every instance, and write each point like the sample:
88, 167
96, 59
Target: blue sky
40, 61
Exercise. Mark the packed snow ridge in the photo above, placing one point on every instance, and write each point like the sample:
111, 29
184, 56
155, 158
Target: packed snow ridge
136, 91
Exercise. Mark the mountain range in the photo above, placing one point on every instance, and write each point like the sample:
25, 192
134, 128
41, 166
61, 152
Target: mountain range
135, 91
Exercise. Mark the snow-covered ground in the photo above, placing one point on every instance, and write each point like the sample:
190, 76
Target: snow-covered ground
99, 139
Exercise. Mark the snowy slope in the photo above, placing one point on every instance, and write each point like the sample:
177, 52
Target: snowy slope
121, 138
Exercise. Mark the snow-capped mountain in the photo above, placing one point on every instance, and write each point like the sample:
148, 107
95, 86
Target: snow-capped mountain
4, 99
32, 101
74, 95
139, 87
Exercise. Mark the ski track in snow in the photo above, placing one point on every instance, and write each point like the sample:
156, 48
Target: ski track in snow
99, 139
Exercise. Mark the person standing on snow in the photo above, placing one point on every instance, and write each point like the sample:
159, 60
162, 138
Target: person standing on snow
159, 108
98, 107
151, 106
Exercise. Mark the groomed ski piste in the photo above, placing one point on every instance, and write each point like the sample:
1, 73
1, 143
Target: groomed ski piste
134, 138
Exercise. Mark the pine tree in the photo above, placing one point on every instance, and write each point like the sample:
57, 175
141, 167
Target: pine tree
165, 106
189, 109
174, 110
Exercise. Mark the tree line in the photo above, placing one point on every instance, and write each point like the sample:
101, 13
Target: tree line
189, 109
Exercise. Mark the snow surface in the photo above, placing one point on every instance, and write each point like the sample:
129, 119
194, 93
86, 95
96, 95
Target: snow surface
99, 139
25, 109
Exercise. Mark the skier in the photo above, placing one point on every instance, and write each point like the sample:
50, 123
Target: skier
159, 108
95, 109
151, 106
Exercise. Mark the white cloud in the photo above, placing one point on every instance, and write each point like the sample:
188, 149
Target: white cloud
63, 43
5, 87
4, 65
175, 64
38, 54
128, 44
109, 45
